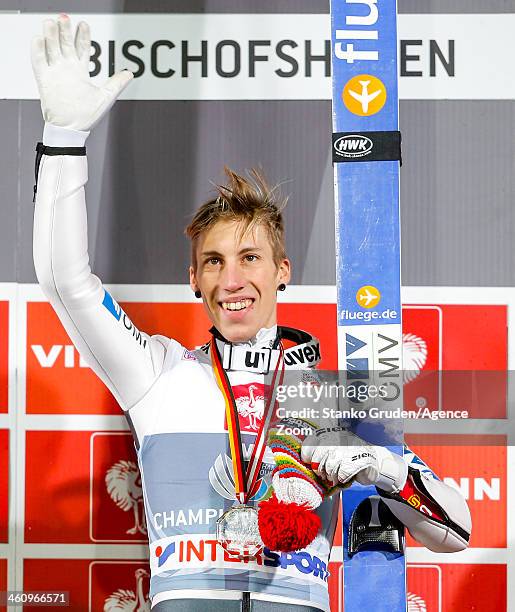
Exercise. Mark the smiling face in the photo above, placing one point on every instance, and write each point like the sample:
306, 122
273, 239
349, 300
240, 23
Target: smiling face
238, 278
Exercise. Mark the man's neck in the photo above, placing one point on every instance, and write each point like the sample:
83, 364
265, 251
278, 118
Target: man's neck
265, 337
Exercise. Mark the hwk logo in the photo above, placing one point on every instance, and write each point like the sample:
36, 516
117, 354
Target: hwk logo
353, 145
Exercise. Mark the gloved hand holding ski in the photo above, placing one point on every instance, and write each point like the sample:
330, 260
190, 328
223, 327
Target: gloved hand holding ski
69, 98
310, 469
339, 456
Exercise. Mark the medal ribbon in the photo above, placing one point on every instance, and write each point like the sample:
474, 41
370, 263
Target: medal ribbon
244, 480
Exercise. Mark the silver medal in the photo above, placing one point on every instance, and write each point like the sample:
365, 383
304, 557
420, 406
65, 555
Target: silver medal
237, 531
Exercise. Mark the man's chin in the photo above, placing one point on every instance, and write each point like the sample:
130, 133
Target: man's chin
237, 333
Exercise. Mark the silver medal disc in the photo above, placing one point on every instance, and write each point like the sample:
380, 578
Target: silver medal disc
237, 531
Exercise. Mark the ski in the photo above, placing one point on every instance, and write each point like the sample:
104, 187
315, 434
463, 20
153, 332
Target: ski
366, 156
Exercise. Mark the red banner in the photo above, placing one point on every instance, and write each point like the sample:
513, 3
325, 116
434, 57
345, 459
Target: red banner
82, 487
456, 358
93, 585
4, 356
4, 485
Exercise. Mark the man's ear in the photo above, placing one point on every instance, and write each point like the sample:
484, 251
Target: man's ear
193, 279
284, 271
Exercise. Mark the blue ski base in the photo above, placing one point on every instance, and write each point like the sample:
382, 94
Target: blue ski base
373, 579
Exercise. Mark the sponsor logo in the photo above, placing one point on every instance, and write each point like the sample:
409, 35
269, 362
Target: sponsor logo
116, 500
359, 31
305, 355
357, 367
414, 500
422, 354
367, 146
221, 476
126, 599
364, 95
163, 554
420, 502
414, 356
424, 584
325, 430
302, 561
112, 306
203, 551
362, 456
189, 355
349, 315
115, 309
388, 357
123, 482
111, 585
415, 603
374, 356
258, 359
50, 358
368, 296
418, 464
353, 145
477, 489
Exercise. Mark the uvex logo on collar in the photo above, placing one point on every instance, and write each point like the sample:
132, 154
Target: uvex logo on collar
247, 359
306, 354
262, 360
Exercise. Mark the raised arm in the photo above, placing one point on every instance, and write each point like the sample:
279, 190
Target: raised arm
125, 359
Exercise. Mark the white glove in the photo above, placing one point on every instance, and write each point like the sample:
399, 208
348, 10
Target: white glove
338, 455
296, 490
69, 99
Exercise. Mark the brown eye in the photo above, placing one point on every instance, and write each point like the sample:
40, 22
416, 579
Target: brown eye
250, 257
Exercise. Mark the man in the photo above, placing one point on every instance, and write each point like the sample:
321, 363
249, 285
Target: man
178, 402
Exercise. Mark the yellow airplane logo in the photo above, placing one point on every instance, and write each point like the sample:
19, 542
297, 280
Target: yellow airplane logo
368, 296
364, 95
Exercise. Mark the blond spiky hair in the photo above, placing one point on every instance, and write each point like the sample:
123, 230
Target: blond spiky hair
251, 200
